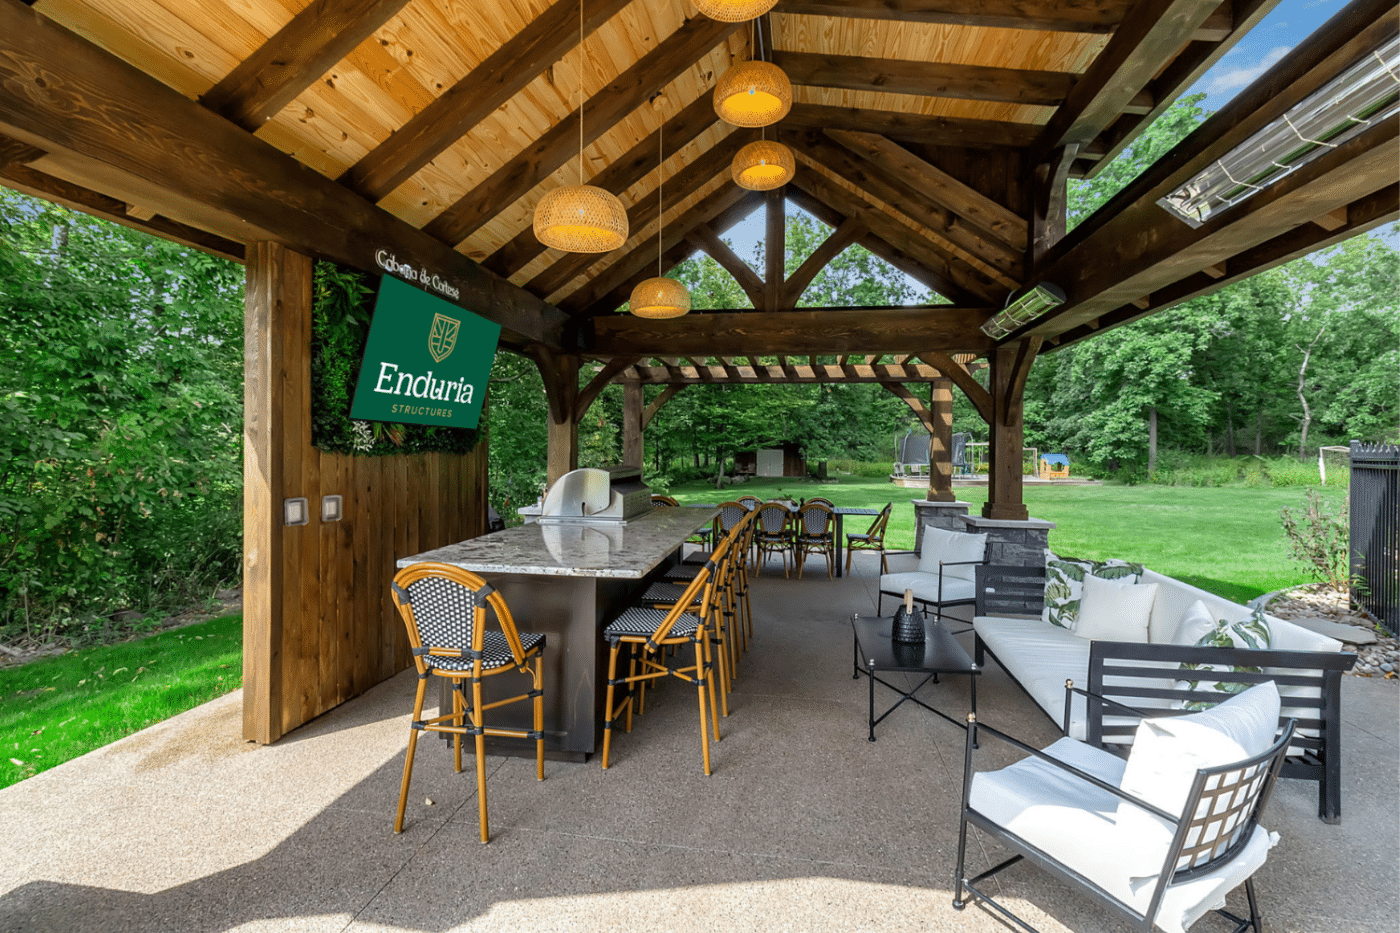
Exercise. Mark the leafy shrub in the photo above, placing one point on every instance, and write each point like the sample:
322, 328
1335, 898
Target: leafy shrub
1319, 539
868, 469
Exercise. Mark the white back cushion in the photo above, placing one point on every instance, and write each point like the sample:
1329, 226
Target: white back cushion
1193, 626
1115, 610
952, 547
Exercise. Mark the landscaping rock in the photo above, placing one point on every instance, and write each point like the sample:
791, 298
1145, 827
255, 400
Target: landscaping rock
1351, 634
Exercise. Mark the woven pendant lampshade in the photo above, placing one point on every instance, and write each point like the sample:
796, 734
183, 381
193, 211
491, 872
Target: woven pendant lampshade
581, 219
734, 11
763, 165
659, 298
753, 94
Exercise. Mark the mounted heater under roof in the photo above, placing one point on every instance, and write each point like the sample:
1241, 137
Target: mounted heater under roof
1363, 95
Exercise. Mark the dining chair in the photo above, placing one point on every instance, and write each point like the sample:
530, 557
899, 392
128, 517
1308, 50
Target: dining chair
773, 534
448, 612
812, 533
872, 539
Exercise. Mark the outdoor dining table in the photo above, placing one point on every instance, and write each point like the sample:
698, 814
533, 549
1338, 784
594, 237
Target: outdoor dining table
568, 580
840, 512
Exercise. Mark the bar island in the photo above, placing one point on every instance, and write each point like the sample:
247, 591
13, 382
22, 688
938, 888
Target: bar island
569, 580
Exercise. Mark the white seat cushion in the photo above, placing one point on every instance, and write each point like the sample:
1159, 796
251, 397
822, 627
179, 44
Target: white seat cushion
925, 586
1076, 824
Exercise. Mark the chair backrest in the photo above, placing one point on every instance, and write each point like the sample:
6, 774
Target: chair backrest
660, 501
773, 517
814, 519
876, 534
823, 500
702, 586
751, 502
731, 514
1009, 590
444, 609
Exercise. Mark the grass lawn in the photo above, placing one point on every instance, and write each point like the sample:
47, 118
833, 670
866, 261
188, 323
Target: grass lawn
1228, 540
55, 709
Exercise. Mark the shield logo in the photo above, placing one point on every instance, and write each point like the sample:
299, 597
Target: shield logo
442, 337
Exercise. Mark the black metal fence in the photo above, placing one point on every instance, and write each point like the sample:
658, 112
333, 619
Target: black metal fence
1375, 531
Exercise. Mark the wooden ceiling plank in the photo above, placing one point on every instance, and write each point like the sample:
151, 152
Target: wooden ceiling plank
677, 53
1146, 41
704, 238
804, 332
636, 164
323, 33
926, 79
682, 185
96, 107
499, 77
1098, 17
968, 203
915, 127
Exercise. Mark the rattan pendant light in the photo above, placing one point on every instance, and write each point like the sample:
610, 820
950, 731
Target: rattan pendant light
581, 218
734, 11
763, 165
753, 93
659, 297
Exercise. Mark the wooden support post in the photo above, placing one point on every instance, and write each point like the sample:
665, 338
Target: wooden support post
276, 427
774, 250
632, 424
1010, 366
560, 374
940, 441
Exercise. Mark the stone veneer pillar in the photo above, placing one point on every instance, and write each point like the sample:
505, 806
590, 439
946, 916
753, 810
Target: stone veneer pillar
946, 515
1013, 543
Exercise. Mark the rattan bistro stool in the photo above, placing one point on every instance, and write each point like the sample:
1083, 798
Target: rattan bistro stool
443, 608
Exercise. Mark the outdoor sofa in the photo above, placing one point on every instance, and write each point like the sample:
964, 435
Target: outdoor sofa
1137, 640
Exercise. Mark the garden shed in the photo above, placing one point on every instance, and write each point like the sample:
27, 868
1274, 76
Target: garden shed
783, 460
416, 138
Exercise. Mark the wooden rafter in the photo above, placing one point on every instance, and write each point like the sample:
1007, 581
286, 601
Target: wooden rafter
925, 79
640, 215
751, 374
803, 331
913, 127
847, 233
589, 393
916, 404
323, 33
635, 164
961, 376
990, 258
157, 143
453, 113
634, 87
1100, 17
774, 248
702, 237
657, 403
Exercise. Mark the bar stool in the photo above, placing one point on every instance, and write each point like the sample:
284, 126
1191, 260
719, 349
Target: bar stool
442, 607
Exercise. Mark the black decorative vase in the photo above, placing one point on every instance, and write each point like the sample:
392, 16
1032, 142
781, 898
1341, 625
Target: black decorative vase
908, 626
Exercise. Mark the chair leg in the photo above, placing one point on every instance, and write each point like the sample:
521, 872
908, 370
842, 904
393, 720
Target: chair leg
608, 711
539, 717
850, 551
1255, 920
884, 562
459, 703
700, 689
478, 720
408, 755
958, 901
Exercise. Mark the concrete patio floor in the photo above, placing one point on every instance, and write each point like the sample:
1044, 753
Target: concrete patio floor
803, 826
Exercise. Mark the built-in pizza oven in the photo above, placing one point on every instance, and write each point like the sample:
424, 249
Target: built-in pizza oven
608, 495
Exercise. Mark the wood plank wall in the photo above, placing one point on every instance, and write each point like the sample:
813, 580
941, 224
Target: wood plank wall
318, 623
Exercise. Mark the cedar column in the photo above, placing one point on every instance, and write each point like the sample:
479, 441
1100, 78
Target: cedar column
560, 374
276, 430
1010, 366
632, 424
940, 441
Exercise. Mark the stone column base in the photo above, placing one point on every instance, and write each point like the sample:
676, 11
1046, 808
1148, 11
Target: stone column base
946, 515
1014, 543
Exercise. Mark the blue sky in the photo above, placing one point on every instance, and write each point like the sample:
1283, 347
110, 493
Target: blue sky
1276, 35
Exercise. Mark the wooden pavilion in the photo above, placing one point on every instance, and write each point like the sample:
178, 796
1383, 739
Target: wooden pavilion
939, 134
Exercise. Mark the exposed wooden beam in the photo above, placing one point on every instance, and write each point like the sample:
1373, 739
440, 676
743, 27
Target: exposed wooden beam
804, 331
641, 258
914, 127
705, 239
916, 404
656, 404
699, 173
1100, 16
589, 393
774, 248
635, 164
961, 376
499, 77
925, 79
834, 245
96, 113
1153, 32
957, 273
971, 205
676, 54
324, 32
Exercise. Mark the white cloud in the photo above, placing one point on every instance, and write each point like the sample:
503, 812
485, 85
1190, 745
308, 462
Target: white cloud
1235, 78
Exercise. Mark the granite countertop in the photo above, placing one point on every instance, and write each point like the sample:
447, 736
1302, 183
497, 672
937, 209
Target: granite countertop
615, 551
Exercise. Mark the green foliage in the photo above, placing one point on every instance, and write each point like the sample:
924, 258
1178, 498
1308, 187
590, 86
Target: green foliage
341, 312
866, 469
1319, 539
120, 424
54, 709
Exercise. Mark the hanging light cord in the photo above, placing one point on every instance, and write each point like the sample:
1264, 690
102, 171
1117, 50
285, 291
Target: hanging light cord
580, 92
660, 180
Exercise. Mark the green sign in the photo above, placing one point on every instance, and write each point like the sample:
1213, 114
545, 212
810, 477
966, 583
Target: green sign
427, 361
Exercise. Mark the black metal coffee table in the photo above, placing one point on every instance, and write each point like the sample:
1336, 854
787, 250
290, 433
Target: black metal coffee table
876, 652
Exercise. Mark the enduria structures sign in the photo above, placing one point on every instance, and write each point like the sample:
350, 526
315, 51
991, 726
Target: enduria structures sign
427, 360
